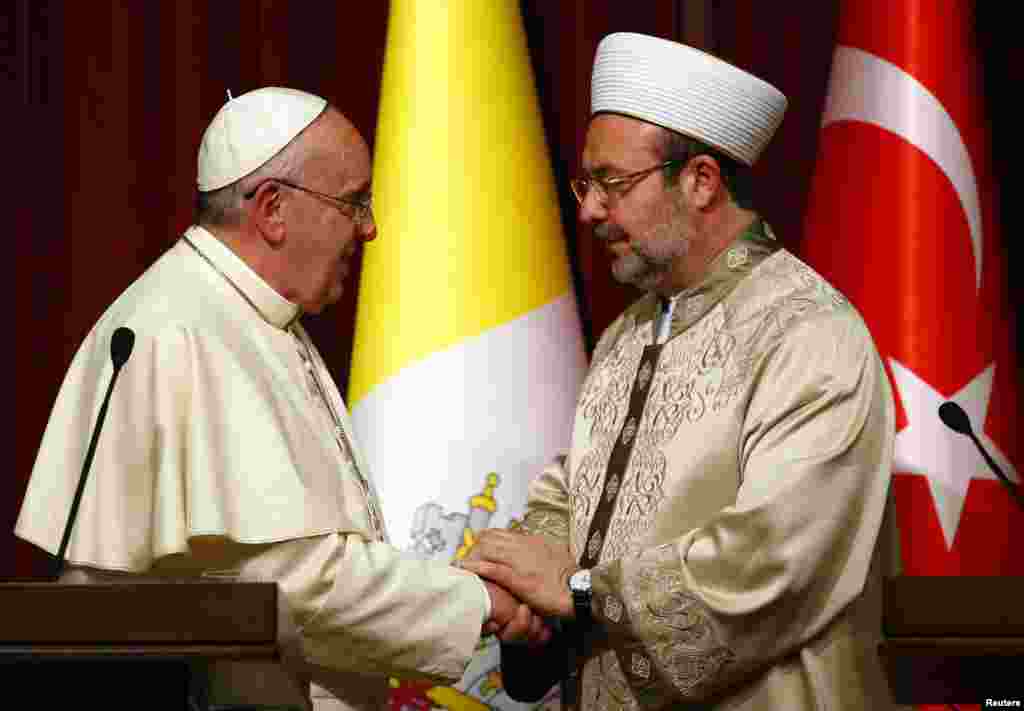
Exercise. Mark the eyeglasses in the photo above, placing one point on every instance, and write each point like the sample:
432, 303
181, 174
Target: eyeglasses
362, 209
615, 185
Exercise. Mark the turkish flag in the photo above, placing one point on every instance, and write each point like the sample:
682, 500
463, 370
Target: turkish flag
902, 217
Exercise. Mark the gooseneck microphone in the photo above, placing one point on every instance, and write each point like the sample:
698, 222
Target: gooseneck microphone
121, 344
954, 417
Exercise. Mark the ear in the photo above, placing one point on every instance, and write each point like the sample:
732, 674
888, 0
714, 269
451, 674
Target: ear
266, 209
707, 185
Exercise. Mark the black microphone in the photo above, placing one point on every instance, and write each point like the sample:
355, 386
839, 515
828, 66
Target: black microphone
121, 344
954, 417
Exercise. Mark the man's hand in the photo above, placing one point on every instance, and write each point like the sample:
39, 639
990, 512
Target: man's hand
532, 568
513, 621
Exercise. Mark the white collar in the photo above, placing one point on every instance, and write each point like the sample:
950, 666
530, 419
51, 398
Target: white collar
273, 307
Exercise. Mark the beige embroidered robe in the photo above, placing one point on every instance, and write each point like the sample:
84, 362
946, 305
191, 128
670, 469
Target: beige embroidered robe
227, 452
729, 488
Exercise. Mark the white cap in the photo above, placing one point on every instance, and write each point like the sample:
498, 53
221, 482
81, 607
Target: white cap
251, 129
686, 90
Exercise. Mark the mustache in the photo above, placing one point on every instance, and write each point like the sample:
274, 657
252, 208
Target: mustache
611, 233
608, 233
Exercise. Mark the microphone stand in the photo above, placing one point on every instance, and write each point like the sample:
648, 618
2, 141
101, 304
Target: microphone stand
121, 344
954, 417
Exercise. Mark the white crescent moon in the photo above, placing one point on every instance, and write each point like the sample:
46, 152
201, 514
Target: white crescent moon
866, 88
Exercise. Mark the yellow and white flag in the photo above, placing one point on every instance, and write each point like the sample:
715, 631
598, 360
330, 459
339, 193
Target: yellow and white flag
468, 355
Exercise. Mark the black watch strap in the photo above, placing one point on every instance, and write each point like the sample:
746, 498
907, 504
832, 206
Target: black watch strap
581, 600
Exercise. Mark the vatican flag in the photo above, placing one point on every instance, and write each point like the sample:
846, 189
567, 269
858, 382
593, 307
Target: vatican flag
468, 355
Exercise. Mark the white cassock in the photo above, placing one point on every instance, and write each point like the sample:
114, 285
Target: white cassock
227, 453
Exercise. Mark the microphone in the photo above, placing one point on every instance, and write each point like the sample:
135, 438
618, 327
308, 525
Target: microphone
954, 417
121, 344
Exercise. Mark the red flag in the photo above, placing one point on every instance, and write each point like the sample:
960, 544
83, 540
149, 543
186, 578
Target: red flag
902, 218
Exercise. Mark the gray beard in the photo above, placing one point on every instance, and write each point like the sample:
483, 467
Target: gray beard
638, 270
645, 267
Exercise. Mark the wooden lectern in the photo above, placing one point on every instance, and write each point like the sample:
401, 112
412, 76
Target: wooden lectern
952, 640
127, 645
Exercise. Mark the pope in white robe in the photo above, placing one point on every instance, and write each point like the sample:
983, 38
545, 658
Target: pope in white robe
227, 453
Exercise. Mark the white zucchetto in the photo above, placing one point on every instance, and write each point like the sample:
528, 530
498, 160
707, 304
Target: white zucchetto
686, 90
251, 129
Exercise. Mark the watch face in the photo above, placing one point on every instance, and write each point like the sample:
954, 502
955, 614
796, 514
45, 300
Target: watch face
580, 580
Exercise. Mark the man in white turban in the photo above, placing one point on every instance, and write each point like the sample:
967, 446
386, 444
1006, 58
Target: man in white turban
227, 450
717, 531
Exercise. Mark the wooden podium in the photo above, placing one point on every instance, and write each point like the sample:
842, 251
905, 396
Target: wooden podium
128, 645
951, 640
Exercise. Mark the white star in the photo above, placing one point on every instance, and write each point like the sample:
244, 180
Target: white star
949, 460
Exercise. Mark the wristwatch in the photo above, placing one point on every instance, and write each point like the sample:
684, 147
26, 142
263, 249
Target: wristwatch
582, 594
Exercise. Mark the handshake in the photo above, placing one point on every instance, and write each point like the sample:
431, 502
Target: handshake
527, 578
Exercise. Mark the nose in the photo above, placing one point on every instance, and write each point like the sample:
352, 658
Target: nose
368, 229
592, 209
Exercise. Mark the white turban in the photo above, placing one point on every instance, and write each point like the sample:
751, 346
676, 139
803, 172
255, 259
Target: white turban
686, 90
